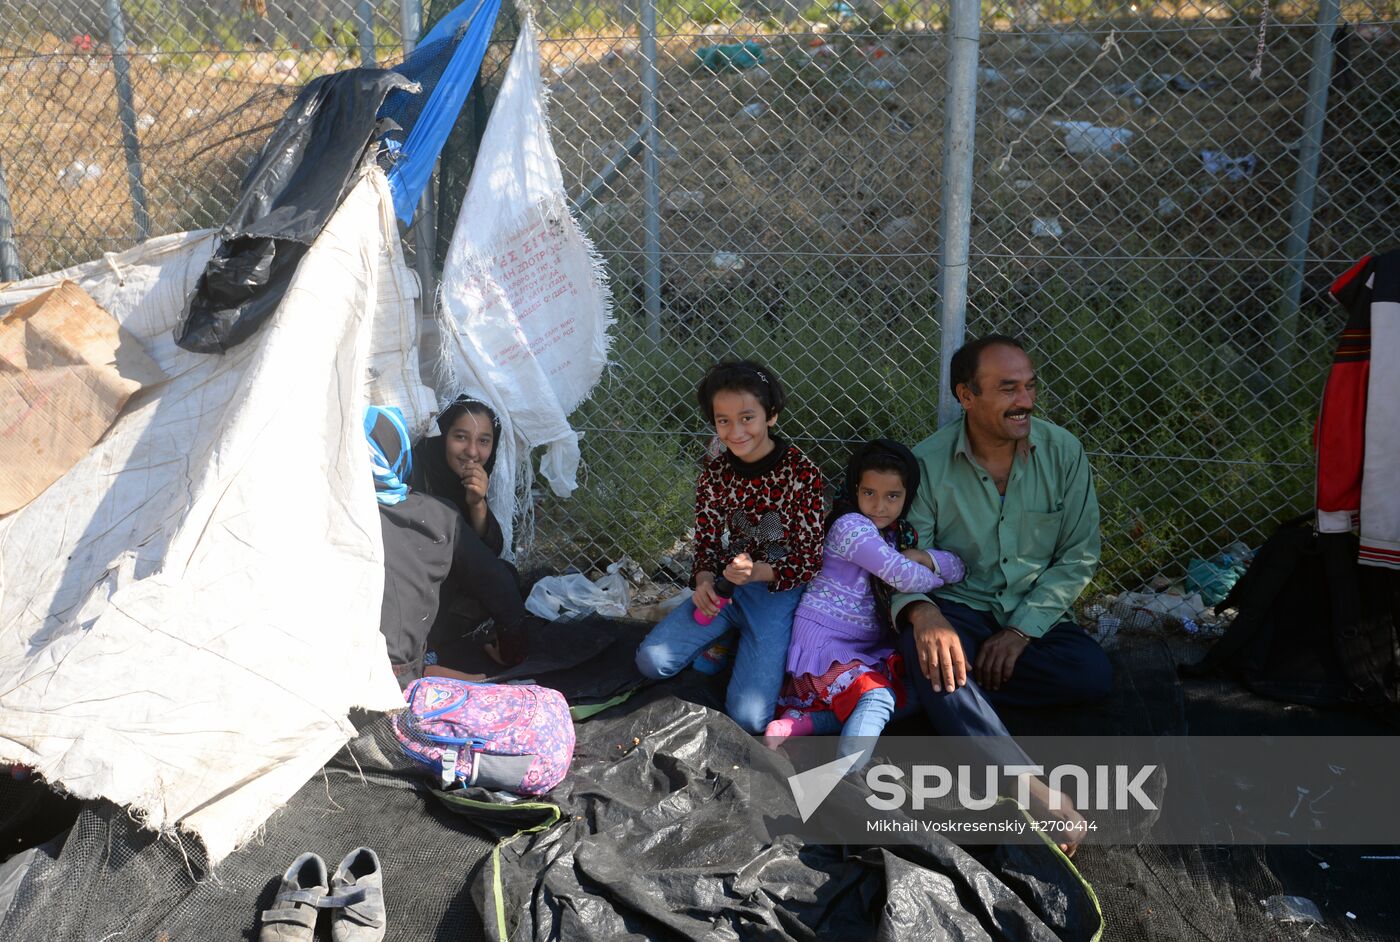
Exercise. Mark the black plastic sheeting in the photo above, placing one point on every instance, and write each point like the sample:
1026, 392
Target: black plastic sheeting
659, 840
668, 833
658, 837
591, 660
304, 171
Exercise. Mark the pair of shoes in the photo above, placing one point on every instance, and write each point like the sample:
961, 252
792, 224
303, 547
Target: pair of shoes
355, 895
713, 659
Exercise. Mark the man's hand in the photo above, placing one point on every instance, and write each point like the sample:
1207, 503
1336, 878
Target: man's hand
740, 571
938, 646
706, 599
996, 658
919, 556
474, 483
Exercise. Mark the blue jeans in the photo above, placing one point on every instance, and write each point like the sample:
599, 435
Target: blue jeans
863, 727
764, 622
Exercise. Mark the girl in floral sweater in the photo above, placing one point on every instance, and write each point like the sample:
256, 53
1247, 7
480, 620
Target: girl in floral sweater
758, 507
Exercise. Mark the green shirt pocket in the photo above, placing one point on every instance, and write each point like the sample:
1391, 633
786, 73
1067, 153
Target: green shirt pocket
1040, 532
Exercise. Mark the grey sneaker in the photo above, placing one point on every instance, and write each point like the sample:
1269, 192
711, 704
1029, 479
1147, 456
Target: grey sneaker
292, 917
357, 890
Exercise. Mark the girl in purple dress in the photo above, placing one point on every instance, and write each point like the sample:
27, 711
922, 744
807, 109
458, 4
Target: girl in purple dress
842, 668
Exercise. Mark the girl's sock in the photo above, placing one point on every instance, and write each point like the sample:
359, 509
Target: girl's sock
816, 723
790, 726
866, 722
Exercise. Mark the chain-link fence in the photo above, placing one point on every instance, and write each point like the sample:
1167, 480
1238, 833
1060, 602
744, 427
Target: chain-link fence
1137, 174
129, 118
1159, 197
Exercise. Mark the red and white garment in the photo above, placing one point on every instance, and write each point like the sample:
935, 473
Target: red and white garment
1358, 428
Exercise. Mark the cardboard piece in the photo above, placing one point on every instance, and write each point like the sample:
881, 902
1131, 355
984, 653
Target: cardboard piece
66, 370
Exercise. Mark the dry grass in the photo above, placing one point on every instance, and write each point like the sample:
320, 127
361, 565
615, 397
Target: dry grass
830, 166
197, 133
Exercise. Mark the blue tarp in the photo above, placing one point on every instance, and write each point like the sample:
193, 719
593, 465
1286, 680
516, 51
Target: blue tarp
474, 21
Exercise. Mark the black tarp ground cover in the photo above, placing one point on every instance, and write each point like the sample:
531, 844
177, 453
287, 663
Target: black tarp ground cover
602, 867
663, 837
669, 833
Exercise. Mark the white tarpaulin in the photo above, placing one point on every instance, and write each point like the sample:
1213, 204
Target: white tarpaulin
188, 615
525, 309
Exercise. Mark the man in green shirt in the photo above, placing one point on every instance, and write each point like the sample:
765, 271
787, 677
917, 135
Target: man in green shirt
1014, 497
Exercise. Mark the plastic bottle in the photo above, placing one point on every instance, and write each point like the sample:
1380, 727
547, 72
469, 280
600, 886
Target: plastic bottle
725, 590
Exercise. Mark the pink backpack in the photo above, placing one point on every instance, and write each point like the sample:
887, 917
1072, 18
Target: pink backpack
514, 737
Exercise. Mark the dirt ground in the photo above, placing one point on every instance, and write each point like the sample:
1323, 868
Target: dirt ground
832, 145
64, 161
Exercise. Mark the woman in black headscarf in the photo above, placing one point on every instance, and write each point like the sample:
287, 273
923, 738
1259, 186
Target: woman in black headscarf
457, 464
443, 572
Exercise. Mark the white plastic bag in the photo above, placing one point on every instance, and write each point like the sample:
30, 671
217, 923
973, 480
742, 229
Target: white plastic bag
1083, 138
555, 597
1146, 610
1234, 169
524, 306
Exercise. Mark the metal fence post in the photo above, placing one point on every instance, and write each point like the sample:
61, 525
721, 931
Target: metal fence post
126, 110
410, 24
364, 29
955, 230
9, 254
1305, 186
651, 170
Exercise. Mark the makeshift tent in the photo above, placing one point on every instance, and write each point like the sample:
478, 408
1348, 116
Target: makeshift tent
222, 539
188, 615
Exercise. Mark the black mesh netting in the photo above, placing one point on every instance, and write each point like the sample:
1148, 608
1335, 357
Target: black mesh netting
111, 879
647, 823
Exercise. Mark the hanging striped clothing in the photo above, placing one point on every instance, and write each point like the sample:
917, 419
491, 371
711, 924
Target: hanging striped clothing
390, 453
